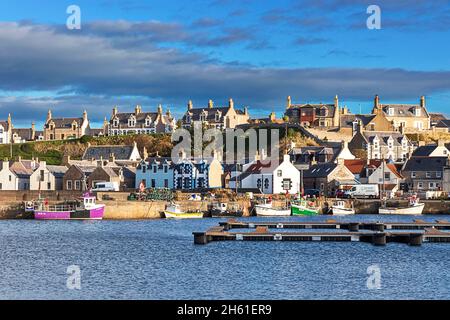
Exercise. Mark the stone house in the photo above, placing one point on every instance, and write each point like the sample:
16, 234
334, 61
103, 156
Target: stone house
424, 173
76, 178
349, 123
105, 174
413, 117
314, 115
381, 145
328, 177
215, 117
65, 128
138, 122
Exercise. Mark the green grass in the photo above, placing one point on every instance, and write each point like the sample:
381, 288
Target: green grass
28, 151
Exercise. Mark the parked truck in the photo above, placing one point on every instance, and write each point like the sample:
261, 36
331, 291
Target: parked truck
371, 191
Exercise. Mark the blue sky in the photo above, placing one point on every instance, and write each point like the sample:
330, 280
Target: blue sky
257, 52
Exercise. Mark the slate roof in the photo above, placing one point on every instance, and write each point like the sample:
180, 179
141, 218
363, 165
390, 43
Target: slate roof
265, 167
312, 150
347, 120
331, 109
4, 124
384, 137
320, 170
443, 124
427, 164
23, 133
104, 152
160, 161
20, 170
436, 117
424, 151
403, 110
57, 171
209, 112
129, 172
64, 122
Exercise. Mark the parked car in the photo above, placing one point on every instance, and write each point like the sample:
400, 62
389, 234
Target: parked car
105, 187
312, 193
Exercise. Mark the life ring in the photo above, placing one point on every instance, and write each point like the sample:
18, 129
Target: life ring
29, 204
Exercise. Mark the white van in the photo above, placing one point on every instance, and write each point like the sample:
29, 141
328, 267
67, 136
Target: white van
105, 186
371, 191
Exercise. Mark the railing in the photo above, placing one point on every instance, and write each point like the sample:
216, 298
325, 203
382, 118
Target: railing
54, 208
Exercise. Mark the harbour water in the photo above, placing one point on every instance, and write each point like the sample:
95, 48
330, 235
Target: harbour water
156, 259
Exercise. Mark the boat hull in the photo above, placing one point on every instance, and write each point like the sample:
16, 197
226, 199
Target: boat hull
262, 211
183, 215
303, 211
342, 211
415, 210
86, 214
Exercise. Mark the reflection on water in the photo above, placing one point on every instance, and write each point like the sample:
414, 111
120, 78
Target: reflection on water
158, 260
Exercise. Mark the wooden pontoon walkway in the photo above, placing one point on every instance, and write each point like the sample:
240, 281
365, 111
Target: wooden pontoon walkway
378, 233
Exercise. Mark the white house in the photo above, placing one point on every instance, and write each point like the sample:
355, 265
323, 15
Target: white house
42, 178
270, 178
5, 130
8, 179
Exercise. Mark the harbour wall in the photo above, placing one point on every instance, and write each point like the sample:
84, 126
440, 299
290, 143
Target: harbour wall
119, 208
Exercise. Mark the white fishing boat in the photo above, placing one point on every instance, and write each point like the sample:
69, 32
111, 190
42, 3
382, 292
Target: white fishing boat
414, 208
267, 210
340, 208
173, 211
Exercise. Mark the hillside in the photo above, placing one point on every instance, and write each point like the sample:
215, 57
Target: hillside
53, 151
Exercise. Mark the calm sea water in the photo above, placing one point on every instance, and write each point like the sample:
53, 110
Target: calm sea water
158, 260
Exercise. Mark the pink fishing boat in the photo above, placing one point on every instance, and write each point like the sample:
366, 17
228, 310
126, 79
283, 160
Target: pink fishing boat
85, 208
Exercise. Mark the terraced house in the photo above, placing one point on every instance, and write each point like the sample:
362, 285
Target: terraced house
412, 117
65, 128
155, 172
215, 117
139, 122
377, 145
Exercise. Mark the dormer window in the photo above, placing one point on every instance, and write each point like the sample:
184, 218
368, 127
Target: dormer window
203, 117
324, 112
218, 115
417, 112
74, 126
116, 122
391, 111
188, 118
132, 122
148, 122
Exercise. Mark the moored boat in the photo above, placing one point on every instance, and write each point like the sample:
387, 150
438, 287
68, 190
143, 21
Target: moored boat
266, 210
339, 208
304, 208
414, 208
173, 211
225, 210
85, 208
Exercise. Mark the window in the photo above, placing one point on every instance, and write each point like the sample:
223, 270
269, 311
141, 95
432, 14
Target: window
418, 125
148, 121
49, 186
188, 119
391, 112
203, 117
279, 173
259, 183
438, 174
420, 185
266, 183
166, 183
144, 168
153, 183
132, 122
41, 176
428, 174
165, 169
323, 112
69, 184
155, 169
417, 112
387, 176
217, 116
413, 174
10, 178
77, 185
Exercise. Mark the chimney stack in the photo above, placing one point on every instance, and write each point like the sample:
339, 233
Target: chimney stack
289, 102
190, 105
210, 104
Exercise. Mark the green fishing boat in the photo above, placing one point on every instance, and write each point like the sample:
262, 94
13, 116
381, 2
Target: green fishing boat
303, 208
